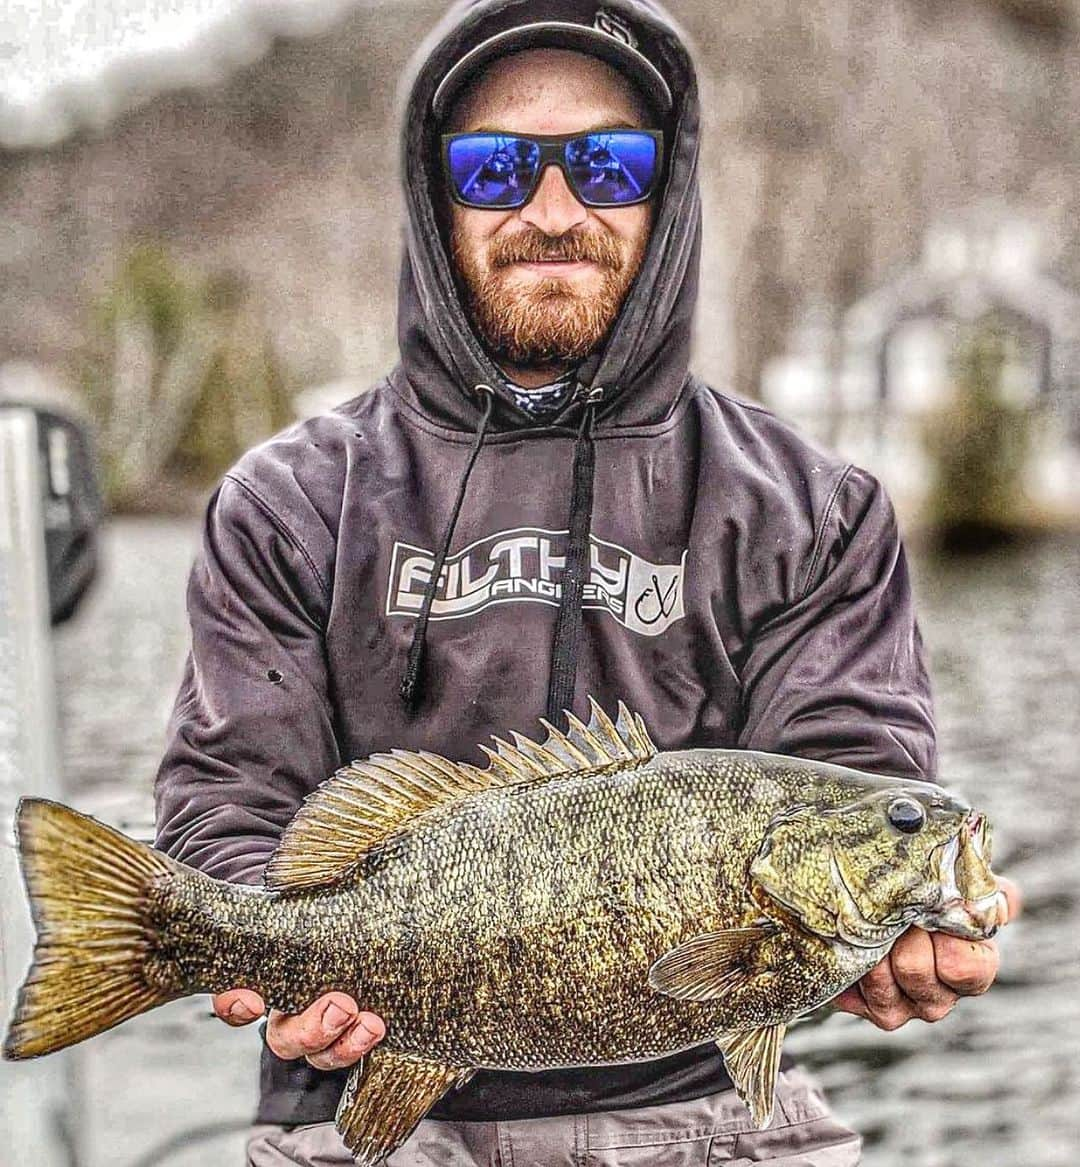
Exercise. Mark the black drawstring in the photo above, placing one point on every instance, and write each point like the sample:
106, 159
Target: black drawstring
411, 689
564, 653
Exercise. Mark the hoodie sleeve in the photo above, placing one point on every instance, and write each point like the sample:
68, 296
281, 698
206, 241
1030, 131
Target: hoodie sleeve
252, 728
840, 675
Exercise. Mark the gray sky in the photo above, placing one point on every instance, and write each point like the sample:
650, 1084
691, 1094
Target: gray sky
47, 46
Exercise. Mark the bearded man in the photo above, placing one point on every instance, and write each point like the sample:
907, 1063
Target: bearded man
538, 504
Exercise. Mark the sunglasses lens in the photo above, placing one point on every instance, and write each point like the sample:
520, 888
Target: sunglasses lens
618, 166
492, 170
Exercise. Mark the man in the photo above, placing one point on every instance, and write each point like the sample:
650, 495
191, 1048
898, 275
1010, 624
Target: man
538, 504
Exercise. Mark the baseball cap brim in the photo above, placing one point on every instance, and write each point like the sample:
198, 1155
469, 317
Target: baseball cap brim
556, 34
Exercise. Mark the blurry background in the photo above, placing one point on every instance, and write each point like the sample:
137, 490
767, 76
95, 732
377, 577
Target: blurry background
199, 242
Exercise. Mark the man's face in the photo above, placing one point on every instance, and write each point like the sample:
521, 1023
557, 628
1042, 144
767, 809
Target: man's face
545, 282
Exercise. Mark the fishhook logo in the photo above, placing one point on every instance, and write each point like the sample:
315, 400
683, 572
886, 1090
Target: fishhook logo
607, 21
656, 603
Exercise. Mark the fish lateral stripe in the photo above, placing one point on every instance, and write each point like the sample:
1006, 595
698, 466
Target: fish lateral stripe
366, 803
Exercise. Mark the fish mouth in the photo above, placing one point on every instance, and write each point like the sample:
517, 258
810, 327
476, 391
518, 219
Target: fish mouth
971, 905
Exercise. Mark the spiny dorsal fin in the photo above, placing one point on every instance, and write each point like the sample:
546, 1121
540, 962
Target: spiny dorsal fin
366, 802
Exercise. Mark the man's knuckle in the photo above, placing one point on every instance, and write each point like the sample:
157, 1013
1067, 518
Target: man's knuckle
919, 984
890, 1020
912, 966
880, 974
905, 962
935, 1010
880, 998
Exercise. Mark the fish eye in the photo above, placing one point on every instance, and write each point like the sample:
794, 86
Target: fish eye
906, 815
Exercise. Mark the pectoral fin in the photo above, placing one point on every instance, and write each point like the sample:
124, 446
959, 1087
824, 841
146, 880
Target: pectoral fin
710, 965
752, 1057
386, 1096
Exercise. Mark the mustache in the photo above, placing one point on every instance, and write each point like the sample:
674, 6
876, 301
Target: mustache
534, 246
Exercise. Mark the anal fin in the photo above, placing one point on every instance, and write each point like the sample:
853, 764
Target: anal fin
385, 1098
752, 1058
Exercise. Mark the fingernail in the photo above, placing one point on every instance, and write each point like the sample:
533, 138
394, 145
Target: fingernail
334, 1017
372, 1033
238, 1011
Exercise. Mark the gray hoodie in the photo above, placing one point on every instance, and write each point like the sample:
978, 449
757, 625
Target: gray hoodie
428, 565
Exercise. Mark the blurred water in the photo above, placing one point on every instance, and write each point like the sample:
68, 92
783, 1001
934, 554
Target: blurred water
118, 661
992, 1084
996, 1082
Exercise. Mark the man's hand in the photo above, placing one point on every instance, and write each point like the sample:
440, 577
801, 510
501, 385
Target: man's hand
330, 1033
925, 974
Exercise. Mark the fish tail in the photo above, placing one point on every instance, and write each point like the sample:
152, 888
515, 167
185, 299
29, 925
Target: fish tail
89, 891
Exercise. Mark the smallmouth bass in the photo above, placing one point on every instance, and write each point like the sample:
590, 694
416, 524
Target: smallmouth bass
584, 901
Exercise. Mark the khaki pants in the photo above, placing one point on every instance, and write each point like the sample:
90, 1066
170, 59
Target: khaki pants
707, 1132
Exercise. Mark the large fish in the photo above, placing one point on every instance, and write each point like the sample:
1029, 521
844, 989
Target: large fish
585, 901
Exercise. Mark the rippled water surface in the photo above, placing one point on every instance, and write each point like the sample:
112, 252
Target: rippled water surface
995, 1084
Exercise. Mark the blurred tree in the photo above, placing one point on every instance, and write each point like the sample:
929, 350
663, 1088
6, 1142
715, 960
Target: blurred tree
243, 398
180, 375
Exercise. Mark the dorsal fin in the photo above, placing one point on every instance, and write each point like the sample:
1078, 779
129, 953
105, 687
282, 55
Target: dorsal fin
366, 802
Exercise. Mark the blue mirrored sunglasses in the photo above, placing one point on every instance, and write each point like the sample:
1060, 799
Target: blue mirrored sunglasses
605, 168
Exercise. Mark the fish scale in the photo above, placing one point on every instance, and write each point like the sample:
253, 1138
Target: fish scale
587, 900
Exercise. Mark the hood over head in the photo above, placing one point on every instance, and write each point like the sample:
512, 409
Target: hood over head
636, 376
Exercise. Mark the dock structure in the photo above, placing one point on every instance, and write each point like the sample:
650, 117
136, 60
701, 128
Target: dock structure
37, 1099
873, 381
